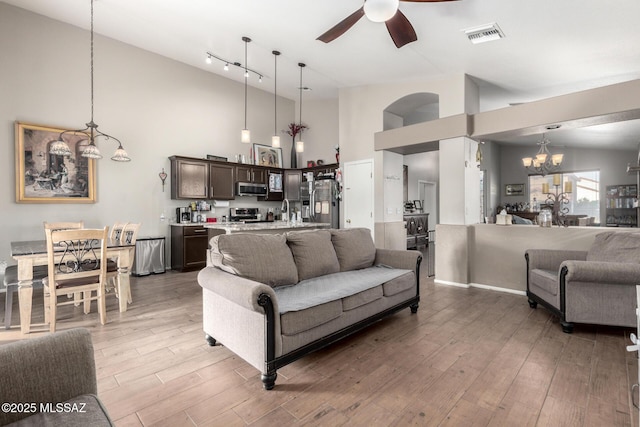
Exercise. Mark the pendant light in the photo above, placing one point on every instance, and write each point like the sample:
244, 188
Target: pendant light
300, 144
275, 139
61, 148
245, 135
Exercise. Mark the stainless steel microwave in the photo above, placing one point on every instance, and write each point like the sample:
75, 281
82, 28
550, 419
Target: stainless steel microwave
250, 189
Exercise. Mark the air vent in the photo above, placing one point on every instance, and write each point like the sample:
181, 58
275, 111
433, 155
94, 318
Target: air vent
484, 33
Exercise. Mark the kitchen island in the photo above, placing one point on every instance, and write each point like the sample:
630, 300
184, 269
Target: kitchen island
274, 227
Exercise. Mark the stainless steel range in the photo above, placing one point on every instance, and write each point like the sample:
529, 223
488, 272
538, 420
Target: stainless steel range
245, 215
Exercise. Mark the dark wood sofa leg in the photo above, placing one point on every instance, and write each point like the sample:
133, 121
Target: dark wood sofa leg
269, 380
210, 340
567, 327
533, 304
414, 308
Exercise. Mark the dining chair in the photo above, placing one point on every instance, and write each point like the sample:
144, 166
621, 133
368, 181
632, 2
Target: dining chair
63, 225
127, 236
77, 263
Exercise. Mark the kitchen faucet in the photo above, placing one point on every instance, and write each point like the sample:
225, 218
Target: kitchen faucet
282, 208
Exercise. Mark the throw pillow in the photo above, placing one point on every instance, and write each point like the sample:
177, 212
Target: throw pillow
615, 247
354, 247
265, 258
313, 253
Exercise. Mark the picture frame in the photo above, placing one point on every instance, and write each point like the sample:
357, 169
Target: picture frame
42, 177
514, 190
265, 155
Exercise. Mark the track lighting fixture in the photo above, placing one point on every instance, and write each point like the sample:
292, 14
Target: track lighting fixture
208, 60
245, 135
300, 144
247, 71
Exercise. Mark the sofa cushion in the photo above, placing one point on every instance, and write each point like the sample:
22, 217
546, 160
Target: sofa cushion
399, 284
615, 247
313, 253
265, 258
294, 322
354, 248
361, 298
545, 279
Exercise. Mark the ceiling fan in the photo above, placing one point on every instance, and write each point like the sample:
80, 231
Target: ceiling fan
399, 27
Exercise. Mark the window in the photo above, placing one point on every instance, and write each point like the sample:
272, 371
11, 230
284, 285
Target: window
584, 197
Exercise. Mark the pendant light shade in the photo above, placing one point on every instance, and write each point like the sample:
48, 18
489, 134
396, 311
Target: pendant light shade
91, 151
245, 135
300, 144
275, 139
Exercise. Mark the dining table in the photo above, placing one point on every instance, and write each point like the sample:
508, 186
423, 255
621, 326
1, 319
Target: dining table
32, 253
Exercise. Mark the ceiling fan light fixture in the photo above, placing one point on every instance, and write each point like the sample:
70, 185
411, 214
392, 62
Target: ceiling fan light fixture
380, 10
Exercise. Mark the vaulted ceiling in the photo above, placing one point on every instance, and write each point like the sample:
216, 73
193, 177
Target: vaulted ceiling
551, 47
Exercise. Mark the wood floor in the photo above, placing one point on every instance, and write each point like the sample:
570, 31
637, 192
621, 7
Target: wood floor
468, 357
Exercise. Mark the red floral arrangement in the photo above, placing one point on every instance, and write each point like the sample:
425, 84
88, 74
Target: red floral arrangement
295, 129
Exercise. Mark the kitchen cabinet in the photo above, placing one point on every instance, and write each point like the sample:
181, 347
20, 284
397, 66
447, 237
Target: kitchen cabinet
292, 181
189, 178
253, 174
189, 246
275, 186
221, 181
196, 179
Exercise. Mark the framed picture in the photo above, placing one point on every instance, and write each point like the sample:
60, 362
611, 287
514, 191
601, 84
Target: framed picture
514, 190
265, 155
42, 177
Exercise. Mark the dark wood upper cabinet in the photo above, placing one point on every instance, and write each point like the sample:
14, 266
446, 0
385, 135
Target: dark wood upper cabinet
253, 174
189, 178
221, 181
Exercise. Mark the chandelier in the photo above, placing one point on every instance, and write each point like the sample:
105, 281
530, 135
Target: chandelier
61, 148
544, 162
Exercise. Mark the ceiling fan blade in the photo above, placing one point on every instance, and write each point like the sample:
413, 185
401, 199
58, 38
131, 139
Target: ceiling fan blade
342, 26
401, 30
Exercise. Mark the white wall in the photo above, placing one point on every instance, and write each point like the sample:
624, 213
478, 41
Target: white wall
157, 107
319, 140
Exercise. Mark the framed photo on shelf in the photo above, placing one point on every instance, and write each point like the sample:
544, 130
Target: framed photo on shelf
42, 177
265, 155
514, 190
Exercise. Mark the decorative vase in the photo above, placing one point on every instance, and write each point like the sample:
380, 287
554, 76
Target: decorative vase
294, 155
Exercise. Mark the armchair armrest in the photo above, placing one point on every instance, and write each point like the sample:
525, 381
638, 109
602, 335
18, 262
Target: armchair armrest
244, 292
602, 272
551, 259
406, 260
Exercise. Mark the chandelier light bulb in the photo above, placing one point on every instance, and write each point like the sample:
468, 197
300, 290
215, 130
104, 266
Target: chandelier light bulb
380, 10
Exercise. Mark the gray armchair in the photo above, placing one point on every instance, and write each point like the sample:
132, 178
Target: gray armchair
51, 381
597, 286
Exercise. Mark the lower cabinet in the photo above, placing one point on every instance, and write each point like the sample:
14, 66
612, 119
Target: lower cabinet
189, 246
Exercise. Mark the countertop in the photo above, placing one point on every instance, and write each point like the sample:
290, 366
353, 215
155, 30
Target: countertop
275, 226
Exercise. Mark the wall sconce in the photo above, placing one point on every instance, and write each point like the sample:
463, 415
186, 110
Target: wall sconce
162, 176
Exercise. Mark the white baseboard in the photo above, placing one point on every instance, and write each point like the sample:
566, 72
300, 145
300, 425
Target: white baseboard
480, 286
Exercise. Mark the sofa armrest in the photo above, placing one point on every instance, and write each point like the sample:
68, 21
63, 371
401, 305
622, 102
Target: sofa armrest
550, 259
396, 258
602, 272
49, 369
244, 292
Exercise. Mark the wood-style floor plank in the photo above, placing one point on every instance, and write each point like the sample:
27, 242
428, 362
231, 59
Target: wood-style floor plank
468, 357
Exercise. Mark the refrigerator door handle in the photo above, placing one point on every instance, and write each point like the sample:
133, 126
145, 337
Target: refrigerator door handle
312, 205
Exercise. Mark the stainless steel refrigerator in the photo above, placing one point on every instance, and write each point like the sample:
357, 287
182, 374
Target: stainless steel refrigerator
320, 197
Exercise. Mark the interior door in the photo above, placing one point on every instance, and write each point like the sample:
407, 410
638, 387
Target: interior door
358, 194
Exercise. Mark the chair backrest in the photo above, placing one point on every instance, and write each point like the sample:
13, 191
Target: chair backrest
130, 233
66, 225
77, 254
116, 230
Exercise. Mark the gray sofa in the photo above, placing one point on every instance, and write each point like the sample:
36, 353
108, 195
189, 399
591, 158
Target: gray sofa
50, 381
597, 286
272, 299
